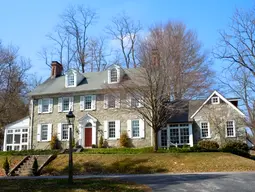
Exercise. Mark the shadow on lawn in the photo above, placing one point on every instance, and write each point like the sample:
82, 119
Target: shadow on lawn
125, 166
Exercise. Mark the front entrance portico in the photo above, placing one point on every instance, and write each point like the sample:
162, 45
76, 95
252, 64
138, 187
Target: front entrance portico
87, 131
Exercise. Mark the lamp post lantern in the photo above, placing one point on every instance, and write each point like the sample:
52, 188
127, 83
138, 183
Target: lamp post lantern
70, 117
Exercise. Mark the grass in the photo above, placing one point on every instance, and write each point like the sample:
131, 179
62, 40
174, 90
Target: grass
13, 160
80, 185
150, 163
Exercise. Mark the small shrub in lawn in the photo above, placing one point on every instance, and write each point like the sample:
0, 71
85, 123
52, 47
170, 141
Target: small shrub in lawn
101, 142
54, 143
124, 140
207, 145
6, 166
35, 166
236, 145
195, 148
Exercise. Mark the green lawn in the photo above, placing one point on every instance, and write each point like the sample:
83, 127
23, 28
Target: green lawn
61, 185
150, 163
13, 160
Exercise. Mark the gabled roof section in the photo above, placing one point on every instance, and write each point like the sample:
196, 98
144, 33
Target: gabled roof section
87, 116
222, 98
24, 122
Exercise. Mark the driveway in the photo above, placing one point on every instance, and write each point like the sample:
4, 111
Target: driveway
202, 182
197, 182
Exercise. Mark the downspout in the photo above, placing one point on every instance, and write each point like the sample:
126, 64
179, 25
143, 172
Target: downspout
32, 122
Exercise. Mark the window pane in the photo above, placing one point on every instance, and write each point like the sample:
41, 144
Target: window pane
24, 138
111, 126
24, 147
45, 105
65, 131
10, 131
17, 130
44, 132
16, 139
164, 138
230, 128
135, 128
24, 130
70, 79
204, 129
134, 102
88, 100
114, 75
16, 148
111, 101
184, 135
66, 104
174, 136
9, 148
9, 139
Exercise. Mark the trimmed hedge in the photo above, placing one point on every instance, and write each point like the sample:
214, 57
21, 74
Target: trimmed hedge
29, 152
208, 145
236, 145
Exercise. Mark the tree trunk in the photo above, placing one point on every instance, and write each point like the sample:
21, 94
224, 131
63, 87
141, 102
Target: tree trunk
155, 144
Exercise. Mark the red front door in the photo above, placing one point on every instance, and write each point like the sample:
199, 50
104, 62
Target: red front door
88, 137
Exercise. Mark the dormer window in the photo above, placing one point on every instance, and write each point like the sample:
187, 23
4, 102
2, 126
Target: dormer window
215, 100
114, 75
70, 80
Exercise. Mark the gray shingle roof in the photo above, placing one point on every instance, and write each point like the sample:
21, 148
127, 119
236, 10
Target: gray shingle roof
92, 81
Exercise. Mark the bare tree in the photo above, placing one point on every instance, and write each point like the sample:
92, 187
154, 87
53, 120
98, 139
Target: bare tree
237, 48
97, 54
154, 84
77, 21
12, 85
125, 31
46, 55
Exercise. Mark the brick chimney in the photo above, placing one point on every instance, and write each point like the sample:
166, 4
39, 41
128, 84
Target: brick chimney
56, 69
155, 57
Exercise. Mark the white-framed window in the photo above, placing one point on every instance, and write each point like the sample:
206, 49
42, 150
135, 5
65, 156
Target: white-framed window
45, 105
88, 102
70, 80
163, 137
114, 75
65, 104
215, 100
205, 130
135, 128
44, 132
24, 138
112, 129
230, 129
112, 101
65, 135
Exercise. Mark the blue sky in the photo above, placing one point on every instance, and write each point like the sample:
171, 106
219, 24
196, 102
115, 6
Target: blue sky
25, 23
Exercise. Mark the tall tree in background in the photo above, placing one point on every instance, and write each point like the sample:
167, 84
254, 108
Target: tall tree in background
237, 48
174, 70
126, 32
77, 21
13, 87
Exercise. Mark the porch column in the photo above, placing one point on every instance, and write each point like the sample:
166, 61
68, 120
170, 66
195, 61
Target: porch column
5, 137
94, 133
190, 135
168, 136
80, 134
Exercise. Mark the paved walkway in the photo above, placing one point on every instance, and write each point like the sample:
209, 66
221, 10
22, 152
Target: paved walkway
201, 182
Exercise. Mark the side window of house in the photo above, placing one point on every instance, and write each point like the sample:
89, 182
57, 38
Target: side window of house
112, 129
88, 102
215, 100
44, 132
65, 135
65, 104
135, 128
45, 105
205, 131
134, 101
112, 101
230, 129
